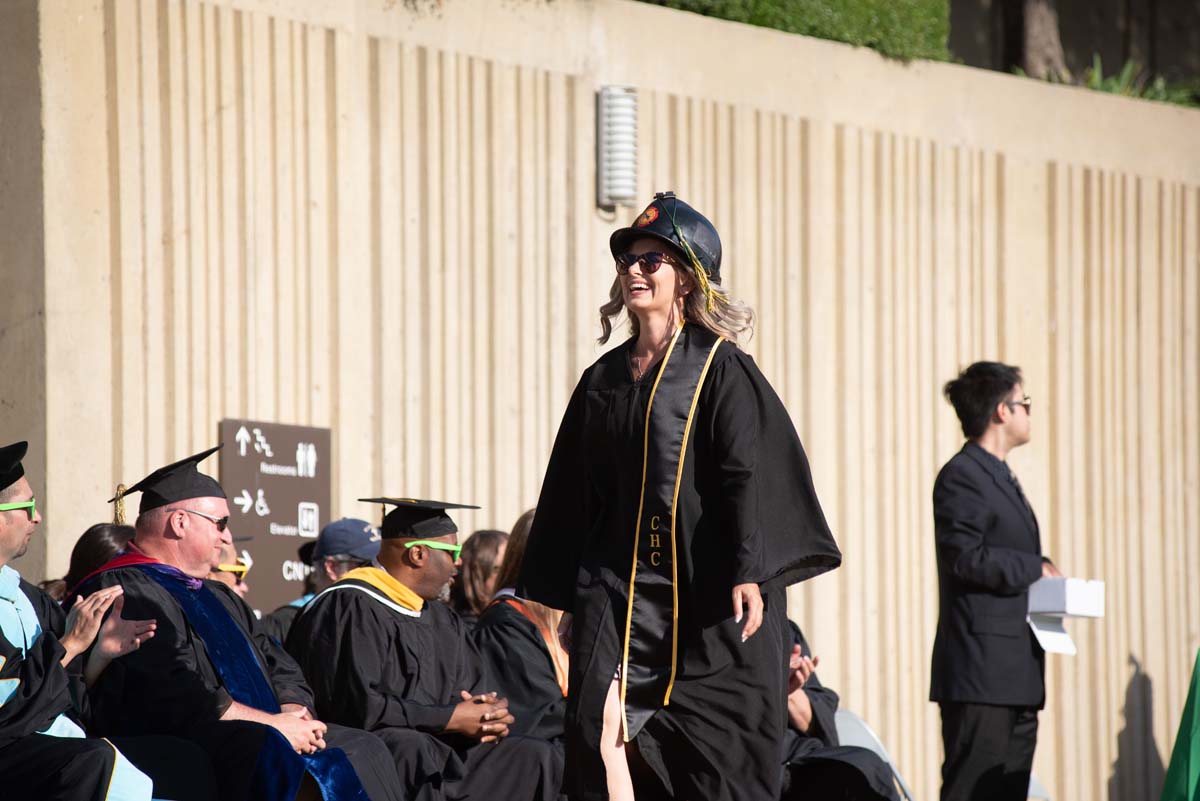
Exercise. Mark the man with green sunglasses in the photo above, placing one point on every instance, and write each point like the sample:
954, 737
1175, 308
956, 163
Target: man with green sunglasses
43, 750
382, 652
30, 507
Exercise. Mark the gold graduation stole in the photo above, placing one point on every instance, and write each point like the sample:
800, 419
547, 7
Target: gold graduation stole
651, 646
386, 584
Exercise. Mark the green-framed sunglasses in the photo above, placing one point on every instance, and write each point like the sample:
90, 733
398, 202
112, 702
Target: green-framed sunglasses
29, 505
453, 550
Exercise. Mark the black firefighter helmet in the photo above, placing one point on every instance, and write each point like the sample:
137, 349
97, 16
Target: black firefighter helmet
688, 232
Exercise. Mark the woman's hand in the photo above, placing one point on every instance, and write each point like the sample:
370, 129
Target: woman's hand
746, 597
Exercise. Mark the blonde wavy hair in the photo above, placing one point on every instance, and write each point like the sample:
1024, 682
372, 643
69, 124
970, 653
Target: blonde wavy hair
725, 316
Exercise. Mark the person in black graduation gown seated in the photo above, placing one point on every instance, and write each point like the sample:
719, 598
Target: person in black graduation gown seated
340, 547
383, 654
211, 675
815, 765
180, 769
43, 750
518, 640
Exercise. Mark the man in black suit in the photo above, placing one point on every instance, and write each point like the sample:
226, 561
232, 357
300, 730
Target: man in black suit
987, 666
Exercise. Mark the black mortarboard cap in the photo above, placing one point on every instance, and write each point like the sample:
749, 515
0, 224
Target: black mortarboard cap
11, 469
670, 220
416, 518
175, 482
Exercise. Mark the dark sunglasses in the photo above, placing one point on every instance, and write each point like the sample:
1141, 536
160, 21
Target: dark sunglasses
222, 522
1027, 402
650, 262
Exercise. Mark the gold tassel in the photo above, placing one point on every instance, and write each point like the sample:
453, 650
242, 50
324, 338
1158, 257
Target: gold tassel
119, 506
710, 295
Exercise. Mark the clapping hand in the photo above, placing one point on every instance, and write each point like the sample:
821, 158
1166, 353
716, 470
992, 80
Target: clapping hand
802, 668
84, 620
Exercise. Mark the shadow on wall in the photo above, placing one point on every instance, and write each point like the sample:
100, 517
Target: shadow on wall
1138, 770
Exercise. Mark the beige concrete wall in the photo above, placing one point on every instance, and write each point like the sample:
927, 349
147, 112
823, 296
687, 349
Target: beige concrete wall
22, 255
381, 220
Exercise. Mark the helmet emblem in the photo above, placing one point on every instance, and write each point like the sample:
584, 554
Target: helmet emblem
648, 216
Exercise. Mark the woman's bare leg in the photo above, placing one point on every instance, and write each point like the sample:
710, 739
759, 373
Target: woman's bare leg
612, 748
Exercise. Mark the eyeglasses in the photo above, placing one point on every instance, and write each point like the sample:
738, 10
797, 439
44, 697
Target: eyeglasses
1027, 402
650, 262
222, 522
453, 550
30, 506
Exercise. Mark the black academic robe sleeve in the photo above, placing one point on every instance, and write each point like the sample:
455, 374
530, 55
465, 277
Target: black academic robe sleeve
519, 665
278, 623
40, 687
53, 620
769, 507
168, 684
283, 672
549, 569
962, 518
49, 612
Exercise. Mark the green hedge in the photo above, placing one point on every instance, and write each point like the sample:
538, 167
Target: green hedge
903, 29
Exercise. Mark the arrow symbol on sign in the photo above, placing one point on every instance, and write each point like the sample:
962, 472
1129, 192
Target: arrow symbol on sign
245, 501
243, 439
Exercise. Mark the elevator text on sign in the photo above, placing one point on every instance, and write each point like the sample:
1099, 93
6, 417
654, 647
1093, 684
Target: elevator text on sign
278, 481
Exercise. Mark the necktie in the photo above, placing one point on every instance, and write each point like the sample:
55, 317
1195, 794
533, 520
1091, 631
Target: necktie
1016, 485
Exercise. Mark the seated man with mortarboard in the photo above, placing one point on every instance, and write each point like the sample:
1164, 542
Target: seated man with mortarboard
44, 752
211, 674
382, 653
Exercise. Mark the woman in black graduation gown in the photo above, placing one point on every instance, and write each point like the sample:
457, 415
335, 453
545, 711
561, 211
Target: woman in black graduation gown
677, 507
517, 639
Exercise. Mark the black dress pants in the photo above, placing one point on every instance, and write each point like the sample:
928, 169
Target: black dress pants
989, 751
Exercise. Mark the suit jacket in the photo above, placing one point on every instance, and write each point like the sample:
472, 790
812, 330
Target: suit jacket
988, 553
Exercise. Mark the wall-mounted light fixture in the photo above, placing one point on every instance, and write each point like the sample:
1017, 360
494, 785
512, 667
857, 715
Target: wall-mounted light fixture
616, 146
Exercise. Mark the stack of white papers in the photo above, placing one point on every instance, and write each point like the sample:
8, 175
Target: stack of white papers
1051, 600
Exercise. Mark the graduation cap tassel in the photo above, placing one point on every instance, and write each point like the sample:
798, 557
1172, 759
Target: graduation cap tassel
119, 505
710, 295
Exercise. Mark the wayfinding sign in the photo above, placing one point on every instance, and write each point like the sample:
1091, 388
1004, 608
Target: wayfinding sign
278, 481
